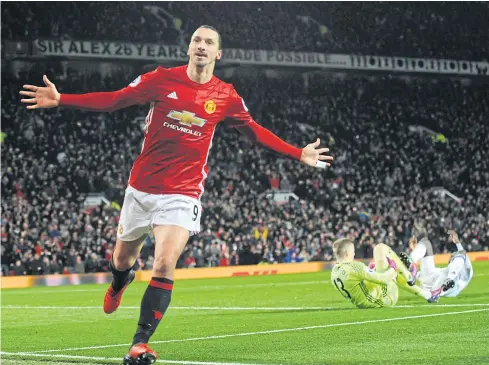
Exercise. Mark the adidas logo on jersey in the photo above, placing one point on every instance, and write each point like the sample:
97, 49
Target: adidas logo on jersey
173, 95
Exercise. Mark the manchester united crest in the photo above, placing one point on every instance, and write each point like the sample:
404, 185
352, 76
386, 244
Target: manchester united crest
210, 106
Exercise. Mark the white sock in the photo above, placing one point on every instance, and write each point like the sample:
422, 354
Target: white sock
455, 267
418, 252
428, 264
459, 247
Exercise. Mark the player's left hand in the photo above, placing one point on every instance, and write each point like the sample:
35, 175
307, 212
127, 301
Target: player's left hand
314, 156
413, 241
453, 236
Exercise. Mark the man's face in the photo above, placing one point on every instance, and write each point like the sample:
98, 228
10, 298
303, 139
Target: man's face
204, 47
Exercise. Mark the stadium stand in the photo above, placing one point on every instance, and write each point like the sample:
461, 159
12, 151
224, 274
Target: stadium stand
437, 29
382, 176
387, 172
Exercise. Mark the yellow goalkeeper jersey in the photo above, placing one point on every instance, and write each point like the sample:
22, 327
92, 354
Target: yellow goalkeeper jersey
364, 288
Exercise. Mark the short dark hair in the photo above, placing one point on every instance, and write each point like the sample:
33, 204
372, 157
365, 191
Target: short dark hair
219, 40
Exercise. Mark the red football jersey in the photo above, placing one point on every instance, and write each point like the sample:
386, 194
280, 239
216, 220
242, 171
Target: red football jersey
179, 127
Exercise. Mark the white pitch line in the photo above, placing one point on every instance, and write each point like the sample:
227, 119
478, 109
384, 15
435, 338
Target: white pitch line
75, 357
271, 331
249, 308
442, 305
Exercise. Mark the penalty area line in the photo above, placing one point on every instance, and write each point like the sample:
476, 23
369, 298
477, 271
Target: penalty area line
295, 329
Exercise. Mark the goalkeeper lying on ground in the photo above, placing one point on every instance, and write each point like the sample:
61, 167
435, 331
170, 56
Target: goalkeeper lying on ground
378, 286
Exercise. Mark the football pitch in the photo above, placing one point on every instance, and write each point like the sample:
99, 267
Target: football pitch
283, 319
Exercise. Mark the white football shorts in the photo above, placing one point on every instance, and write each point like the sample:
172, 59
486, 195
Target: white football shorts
140, 211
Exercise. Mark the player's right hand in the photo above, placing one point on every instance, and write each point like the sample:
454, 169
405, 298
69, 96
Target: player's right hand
41, 97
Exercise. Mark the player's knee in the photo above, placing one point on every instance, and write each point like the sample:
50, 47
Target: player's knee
125, 254
381, 248
163, 266
122, 261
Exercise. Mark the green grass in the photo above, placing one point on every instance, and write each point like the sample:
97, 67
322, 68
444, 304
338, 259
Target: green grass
408, 335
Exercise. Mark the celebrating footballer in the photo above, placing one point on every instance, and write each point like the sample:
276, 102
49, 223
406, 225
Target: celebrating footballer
167, 179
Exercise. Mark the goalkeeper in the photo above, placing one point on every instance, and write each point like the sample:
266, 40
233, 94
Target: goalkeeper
376, 287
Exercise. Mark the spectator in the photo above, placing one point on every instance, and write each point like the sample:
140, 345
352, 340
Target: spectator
411, 29
79, 266
383, 177
35, 265
19, 268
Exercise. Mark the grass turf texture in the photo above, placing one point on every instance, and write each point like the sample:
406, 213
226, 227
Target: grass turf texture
216, 322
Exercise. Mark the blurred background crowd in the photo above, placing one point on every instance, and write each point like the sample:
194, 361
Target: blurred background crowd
388, 174
409, 29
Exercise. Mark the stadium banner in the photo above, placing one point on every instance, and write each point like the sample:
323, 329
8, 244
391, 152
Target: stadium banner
422, 65
55, 280
239, 271
174, 53
160, 52
10, 282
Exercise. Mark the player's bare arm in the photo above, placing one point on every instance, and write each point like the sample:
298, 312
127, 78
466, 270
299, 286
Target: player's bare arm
453, 236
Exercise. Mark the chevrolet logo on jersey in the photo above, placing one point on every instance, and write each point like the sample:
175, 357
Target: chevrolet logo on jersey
186, 118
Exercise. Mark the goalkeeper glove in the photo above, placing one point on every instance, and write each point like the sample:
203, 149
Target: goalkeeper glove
392, 263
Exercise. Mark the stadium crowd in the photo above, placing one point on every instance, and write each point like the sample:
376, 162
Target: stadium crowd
406, 29
385, 167
381, 182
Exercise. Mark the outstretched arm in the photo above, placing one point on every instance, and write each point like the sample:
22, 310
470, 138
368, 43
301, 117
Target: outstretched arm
99, 101
138, 92
309, 155
241, 120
